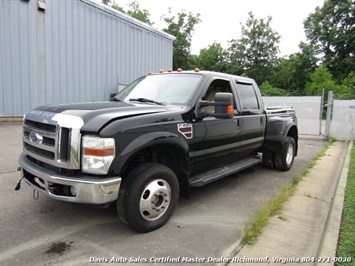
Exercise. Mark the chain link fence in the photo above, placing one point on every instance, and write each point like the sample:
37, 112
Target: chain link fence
342, 120
308, 111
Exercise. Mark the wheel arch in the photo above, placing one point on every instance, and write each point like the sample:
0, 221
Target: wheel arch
170, 153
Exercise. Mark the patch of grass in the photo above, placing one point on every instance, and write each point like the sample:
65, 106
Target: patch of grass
264, 212
346, 245
311, 164
271, 208
325, 148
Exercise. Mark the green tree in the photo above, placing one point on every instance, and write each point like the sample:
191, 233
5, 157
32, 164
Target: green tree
293, 72
255, 53
182, 27
347, 90
321, 79
134, 11
212, 58
331, 31
268, 90
117, 7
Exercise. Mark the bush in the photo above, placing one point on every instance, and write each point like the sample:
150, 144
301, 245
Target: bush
268, 90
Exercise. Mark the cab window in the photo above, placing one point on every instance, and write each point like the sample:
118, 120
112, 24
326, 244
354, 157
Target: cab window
218, 85
248, 96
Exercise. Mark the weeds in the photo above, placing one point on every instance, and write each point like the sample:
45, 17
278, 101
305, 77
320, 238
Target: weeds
264, 211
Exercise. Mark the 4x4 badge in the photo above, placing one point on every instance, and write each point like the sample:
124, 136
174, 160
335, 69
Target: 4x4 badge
186, 130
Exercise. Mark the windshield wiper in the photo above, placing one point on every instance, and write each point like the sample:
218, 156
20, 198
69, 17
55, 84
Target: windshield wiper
145, 100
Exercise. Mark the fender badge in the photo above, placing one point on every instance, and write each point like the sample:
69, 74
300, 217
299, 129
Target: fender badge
186, 130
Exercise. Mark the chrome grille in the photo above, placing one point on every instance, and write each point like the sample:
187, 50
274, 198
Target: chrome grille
53, 139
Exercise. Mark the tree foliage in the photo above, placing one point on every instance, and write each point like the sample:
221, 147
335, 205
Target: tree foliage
331, 31
212, 58
321, 79
347, 90
326, 61
268, 90
292, 73
134, 11
182, 27
255, 53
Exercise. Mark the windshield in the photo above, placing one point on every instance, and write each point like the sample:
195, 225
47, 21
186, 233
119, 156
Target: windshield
164, 89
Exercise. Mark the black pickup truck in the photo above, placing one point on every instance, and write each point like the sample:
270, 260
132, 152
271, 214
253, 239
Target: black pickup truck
161, 135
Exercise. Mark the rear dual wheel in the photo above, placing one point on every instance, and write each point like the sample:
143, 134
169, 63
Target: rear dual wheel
148, 197
284, 160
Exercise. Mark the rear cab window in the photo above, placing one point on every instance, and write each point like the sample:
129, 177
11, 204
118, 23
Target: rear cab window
248, 98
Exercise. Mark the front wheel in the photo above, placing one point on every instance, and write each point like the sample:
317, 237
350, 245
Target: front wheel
284, 160
149, 197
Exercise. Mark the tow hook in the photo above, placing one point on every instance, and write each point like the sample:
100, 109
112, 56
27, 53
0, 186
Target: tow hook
35, 194
18, 186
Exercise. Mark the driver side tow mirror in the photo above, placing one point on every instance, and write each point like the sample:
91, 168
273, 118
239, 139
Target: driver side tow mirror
223, 106
113, 95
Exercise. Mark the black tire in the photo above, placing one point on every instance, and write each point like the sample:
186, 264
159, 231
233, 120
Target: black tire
148, 197
284, 160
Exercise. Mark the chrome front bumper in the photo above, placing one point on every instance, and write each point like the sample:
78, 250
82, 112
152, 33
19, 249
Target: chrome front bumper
83, 189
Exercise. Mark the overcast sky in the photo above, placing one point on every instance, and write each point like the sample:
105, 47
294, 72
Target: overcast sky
221, 19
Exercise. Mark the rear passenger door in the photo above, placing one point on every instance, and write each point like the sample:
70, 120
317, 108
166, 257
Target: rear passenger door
252, 116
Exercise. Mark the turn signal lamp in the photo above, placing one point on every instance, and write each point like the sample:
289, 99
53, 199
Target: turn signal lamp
230, 109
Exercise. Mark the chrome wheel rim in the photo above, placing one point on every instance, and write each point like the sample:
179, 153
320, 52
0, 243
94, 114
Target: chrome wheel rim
155, 200
289, 154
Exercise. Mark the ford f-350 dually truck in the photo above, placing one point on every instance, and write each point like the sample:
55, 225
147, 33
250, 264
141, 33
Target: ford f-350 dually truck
154, 140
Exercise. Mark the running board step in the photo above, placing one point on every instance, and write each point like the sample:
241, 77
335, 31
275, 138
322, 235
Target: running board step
218, 173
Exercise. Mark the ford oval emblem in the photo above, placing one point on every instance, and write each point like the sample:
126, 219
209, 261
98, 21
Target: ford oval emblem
35, 137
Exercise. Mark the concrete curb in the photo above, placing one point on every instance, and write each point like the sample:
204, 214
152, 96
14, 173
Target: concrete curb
328, 246
310, 218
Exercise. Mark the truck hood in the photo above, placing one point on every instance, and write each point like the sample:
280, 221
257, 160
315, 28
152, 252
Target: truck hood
96, 114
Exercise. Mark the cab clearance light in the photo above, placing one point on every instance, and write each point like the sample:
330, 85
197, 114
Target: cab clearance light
170, 70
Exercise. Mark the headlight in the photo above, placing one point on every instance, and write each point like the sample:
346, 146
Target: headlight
98, 154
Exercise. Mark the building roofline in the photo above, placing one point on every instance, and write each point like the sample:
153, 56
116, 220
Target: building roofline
128, 18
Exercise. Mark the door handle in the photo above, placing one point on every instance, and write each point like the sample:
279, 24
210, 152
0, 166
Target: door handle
237, 122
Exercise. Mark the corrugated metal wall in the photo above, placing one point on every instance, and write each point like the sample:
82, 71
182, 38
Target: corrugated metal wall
75, 50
